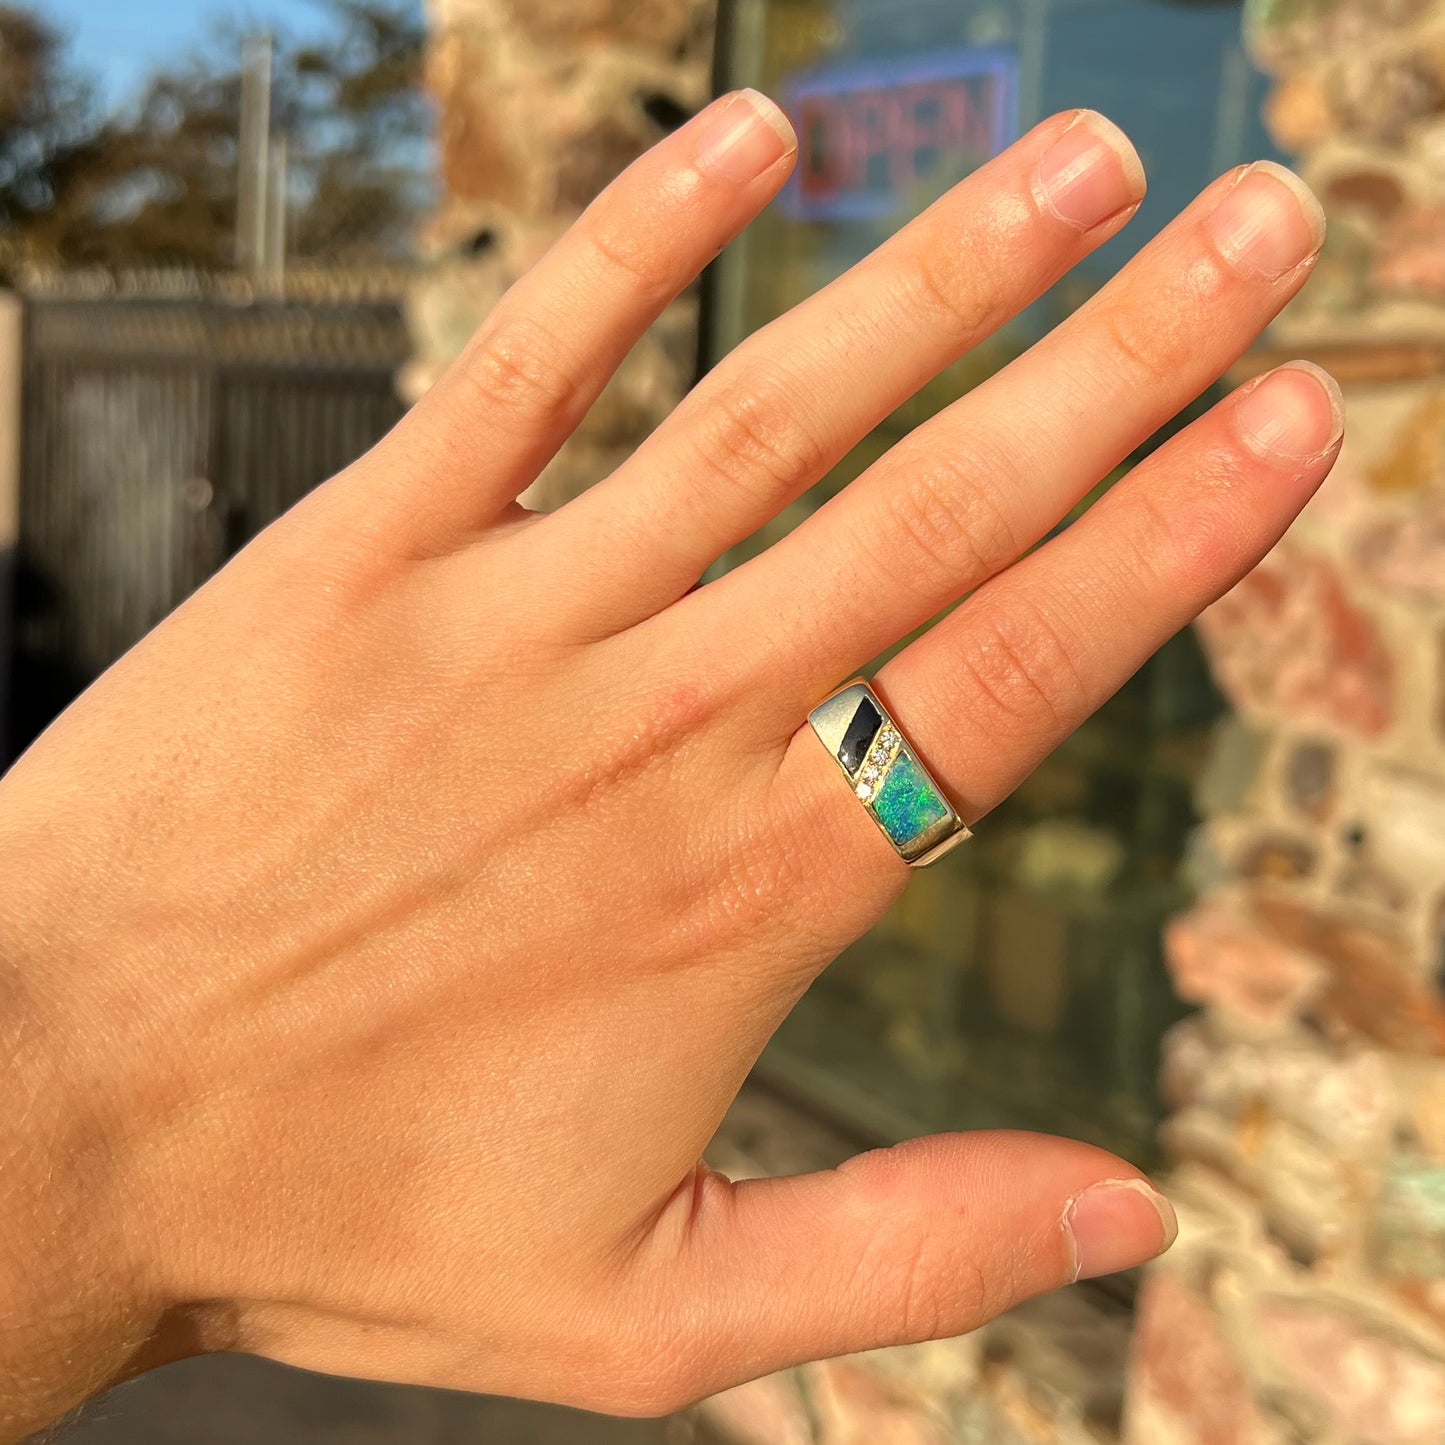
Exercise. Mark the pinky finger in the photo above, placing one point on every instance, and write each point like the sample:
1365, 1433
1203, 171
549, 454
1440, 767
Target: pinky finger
995, 687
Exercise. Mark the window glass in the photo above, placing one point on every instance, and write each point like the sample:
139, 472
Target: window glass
1021, 981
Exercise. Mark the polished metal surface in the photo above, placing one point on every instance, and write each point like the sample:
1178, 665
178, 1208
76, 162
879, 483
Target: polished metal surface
830, 721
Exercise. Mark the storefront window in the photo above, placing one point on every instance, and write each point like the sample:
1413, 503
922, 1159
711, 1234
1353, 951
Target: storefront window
1021, 982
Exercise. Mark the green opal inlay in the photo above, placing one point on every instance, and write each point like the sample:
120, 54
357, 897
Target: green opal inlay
907, 804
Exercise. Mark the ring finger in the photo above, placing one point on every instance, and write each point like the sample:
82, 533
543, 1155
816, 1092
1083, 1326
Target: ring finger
992, 690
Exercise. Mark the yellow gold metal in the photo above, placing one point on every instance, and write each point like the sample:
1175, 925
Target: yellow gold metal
886, 775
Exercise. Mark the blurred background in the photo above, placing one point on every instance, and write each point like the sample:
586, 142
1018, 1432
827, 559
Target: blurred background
237, 239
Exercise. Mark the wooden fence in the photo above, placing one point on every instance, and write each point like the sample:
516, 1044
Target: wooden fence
157, 437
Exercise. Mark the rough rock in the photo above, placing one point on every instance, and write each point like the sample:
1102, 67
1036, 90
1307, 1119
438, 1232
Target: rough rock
1291, 642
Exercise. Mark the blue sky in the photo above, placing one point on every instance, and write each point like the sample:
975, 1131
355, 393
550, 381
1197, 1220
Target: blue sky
121, 41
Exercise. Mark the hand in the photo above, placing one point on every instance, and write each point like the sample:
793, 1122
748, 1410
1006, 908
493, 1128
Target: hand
385, 937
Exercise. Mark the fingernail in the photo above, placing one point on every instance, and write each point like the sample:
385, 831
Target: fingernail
1296, 413
1116, 1225
1269, 223
1090, 173
743, 137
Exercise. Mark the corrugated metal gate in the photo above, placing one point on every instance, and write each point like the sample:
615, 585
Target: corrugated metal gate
157, 438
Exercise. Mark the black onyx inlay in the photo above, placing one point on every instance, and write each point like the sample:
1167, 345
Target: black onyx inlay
859, 737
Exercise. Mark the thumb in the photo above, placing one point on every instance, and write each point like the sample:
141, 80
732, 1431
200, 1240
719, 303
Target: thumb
923, 1241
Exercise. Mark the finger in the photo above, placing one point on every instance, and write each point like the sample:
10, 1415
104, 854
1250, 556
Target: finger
545, 353
783, 408
923, 1241
994, 688
1000, 683
964, 495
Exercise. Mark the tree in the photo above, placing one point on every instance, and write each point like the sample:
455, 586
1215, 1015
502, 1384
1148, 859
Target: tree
159, 186
364, 123
51, 163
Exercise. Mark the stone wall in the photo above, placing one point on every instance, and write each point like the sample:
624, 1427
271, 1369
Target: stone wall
540, 104
1305, 1301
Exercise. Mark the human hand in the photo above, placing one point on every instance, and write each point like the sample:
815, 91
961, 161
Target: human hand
384, 938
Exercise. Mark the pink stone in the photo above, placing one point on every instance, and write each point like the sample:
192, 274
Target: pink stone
1427, 1109
1374, 993
1407, 554
764, 1412
855, 1403
1290, 642
1381, 1388
1186, 1385
1412, 258
1343, 1097
661, 25
1223, 959
1298, 114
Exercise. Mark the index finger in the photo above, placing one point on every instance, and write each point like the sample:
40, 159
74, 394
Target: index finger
544, 354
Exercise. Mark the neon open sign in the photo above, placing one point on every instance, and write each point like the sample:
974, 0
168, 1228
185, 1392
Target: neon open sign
872, 134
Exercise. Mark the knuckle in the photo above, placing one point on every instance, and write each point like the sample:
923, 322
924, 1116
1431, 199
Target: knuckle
907, 1268
755, 439
1017, 661
668, 717
625, 252
857, 1274
1151, 545
1165, 547
940, 284
1140, 348
514, 369
945, 517
1222, 474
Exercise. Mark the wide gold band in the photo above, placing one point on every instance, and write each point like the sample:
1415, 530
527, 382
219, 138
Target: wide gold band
899, 793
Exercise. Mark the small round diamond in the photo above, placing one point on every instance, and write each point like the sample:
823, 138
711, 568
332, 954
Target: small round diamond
888, 738
870, 773
865, 791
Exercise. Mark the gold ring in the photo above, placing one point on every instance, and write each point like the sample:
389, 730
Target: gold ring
899, 793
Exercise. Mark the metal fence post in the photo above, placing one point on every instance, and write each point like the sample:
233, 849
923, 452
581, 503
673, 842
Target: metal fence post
12, 330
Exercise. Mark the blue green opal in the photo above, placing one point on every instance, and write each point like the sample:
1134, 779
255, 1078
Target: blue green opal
907, 804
